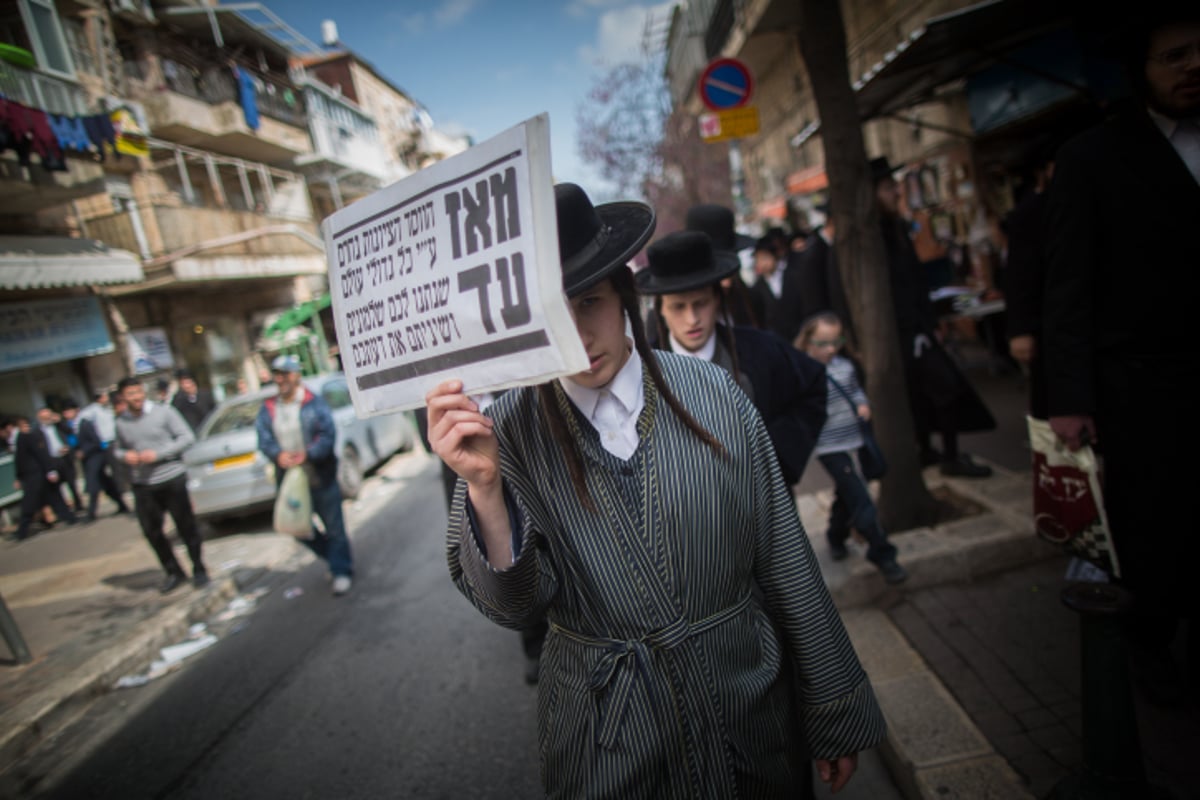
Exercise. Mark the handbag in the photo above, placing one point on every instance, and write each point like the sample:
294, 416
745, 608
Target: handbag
1068, 505
293, 504
870, 454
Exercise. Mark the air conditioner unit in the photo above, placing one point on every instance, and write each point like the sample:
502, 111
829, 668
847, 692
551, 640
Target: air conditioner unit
136, 11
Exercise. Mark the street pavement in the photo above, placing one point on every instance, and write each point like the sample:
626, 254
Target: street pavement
974, 660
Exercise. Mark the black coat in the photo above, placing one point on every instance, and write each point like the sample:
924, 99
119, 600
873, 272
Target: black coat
813, 284
194, 412
789, 392
1026, 283
1123, 248
942, 398
33, 458
89, 439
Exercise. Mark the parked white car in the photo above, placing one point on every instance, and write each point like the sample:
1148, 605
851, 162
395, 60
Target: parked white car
228, 476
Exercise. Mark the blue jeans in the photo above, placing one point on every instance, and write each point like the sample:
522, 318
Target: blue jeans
333, 545
854, 508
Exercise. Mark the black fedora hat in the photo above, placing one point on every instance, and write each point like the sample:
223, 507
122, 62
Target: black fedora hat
717, 222
880, 169
593, 241
680, 262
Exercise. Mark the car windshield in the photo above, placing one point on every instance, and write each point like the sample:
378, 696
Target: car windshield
234, 417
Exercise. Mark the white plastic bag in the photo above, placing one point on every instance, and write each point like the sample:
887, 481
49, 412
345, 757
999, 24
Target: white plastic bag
293, 504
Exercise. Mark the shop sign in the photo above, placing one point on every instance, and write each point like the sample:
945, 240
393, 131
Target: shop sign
49, 331
721, 126
150, 350
453, 272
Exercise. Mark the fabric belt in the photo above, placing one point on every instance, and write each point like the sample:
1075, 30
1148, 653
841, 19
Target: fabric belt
624, 659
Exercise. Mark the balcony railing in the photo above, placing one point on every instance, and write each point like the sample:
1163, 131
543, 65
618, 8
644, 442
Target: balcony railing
215, 85
180, 229
36, 89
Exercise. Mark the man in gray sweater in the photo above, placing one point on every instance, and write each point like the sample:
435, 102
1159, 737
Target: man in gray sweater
151, 441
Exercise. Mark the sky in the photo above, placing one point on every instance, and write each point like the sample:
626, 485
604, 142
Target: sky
482, 66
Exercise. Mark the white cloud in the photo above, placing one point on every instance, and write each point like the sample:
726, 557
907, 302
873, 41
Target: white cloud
453, 11
580, 8
620, 34
447, 14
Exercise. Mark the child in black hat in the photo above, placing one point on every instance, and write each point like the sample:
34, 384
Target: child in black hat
638, 505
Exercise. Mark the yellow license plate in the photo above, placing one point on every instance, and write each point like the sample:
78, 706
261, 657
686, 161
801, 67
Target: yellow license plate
233, 461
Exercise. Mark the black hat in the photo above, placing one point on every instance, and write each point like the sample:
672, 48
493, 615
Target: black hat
593, 241
717, 222
680, 262
766, 244
880, 169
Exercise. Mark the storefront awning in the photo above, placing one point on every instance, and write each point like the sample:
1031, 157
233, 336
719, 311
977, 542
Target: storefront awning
42, 262
950, 47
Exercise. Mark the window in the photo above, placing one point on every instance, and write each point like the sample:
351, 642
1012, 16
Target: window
79, 44
46, 35
336, 394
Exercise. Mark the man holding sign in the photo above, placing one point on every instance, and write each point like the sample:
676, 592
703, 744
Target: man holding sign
636, 504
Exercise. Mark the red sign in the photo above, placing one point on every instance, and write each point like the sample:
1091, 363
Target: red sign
725, 84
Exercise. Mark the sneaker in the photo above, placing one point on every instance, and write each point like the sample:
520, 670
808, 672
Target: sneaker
200, 578
964, 467
838, 551
532, 665
172, 582
341, 585
893, 572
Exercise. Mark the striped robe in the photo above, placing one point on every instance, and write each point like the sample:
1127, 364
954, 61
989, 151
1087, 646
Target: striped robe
677, 611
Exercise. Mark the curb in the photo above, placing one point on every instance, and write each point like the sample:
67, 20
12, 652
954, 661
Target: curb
933, 749
25, 725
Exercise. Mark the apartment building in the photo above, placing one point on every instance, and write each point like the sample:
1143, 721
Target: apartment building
178, 223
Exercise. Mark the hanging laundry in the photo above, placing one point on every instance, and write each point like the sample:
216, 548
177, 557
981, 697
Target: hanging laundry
247, 95
100, 132
30, 131
69, 132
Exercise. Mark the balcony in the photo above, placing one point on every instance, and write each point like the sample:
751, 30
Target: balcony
188, 245
203, 111
28, 189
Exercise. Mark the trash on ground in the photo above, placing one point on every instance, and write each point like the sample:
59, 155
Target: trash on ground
238, 607
170, 658
197, 630
178, 652
293, 593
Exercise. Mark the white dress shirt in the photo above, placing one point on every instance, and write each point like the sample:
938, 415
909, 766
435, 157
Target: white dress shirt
706, 351
613, 409
1184, 136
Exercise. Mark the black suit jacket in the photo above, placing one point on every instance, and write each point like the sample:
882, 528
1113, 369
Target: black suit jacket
1123, 248
789, 392
194, 412
33, 457
813, 284
89, 440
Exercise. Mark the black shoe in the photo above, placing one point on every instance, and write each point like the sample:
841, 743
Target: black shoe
532, 665
964, 467
89, 518
838, 551
929, 457
200, 579
893, 572
172, 582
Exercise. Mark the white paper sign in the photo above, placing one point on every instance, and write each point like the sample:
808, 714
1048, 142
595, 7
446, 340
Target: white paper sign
453, 273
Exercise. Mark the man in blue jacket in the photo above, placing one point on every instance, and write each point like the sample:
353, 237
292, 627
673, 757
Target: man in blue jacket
296, 429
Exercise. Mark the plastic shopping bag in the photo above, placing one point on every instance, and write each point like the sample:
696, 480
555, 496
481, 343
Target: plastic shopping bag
293, 504
1068, 506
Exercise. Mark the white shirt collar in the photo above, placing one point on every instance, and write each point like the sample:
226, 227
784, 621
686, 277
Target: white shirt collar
613, 410
1164, 123
626, 387
706, 351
